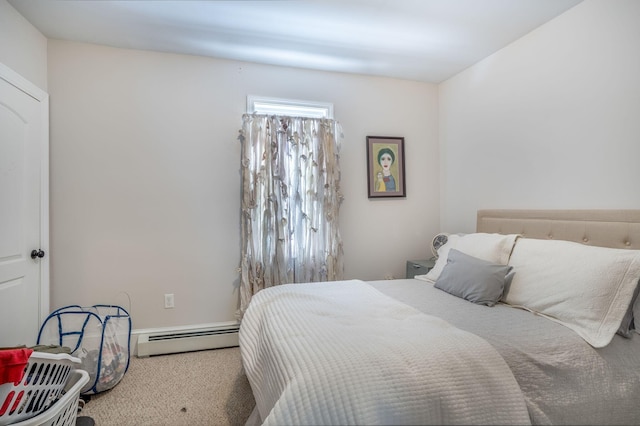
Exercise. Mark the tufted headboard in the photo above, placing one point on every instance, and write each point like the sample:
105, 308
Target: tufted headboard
604, 228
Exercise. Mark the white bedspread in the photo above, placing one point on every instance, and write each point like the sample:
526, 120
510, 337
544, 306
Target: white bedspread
344, 353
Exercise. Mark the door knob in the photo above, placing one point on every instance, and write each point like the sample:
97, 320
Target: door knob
37, 253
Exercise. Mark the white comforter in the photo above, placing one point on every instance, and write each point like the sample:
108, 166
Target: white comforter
344, 353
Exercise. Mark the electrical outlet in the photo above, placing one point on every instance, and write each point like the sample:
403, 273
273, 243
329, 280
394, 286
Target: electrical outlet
169, 301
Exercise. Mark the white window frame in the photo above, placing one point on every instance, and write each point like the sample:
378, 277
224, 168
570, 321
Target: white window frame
289, 107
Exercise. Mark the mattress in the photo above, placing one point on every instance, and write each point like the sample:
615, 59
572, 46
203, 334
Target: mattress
301, 373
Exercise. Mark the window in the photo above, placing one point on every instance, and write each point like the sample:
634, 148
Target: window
290, 194
289, 107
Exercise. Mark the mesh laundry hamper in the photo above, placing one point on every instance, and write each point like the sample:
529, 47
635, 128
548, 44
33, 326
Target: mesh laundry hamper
99, 335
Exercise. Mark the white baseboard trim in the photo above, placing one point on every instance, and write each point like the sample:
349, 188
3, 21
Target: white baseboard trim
167, 340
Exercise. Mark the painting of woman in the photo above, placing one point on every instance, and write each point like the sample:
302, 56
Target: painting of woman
386, 158
385, 167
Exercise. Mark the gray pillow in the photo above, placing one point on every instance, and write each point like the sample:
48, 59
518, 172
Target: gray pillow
625, 327
628, 322
474, 279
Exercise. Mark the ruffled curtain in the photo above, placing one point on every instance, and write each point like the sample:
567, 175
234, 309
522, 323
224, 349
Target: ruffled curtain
290, 202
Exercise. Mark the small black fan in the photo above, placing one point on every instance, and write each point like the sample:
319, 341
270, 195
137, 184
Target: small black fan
438, 241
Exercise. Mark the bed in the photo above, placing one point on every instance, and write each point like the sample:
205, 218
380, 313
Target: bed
530, 320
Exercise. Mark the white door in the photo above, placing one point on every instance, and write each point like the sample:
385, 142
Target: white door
24, 281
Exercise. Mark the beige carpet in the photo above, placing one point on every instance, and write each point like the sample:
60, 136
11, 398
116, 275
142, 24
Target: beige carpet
197, 388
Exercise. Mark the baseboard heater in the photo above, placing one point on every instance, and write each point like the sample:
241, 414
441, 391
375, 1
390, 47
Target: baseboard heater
169, 341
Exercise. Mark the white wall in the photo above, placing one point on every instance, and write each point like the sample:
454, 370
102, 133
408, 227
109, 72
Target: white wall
550, 121
145, 180
22, 47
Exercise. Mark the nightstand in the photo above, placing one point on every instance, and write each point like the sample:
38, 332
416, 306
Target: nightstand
419, 267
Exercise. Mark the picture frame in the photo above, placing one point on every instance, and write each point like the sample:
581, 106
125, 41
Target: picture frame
386, 167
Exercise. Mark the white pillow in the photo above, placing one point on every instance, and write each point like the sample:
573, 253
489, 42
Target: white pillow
494, 248
585, 288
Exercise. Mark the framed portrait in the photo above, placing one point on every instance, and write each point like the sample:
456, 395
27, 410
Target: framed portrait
385, 167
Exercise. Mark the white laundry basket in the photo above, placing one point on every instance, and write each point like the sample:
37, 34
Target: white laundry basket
45, 377
64, 411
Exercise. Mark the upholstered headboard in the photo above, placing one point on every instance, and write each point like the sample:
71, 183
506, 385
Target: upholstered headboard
604, 228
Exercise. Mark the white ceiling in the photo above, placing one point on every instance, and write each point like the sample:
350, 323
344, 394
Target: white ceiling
424, 40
